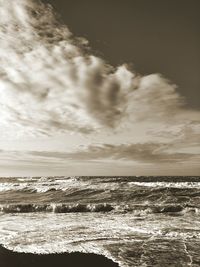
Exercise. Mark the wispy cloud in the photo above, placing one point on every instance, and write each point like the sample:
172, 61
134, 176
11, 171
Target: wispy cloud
50, 82
154, 153
142, 153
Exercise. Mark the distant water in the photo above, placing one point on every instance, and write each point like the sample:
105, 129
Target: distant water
135, 221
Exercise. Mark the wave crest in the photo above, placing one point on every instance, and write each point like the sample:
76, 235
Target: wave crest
56, 208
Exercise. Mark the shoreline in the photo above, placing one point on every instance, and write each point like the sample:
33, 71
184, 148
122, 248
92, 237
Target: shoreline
10, 258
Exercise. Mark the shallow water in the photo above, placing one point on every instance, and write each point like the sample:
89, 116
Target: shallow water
135, 221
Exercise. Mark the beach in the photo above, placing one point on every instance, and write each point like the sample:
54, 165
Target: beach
14, 259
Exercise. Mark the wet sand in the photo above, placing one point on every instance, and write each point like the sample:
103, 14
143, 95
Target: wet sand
14, 259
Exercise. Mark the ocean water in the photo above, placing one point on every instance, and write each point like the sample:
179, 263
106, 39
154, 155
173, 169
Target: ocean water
135, 221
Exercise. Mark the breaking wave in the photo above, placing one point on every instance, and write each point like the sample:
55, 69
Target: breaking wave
103, 215
164, 209
168, 184
105, 207
56, 208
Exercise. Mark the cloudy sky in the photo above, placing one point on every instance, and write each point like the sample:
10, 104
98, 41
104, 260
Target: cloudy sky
99, 87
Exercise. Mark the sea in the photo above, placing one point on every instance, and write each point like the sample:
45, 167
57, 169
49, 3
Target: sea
134, 221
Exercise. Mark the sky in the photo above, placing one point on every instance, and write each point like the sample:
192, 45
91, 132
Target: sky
99, 87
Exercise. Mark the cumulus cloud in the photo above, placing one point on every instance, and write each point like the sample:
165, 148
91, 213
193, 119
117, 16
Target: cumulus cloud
50, 82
